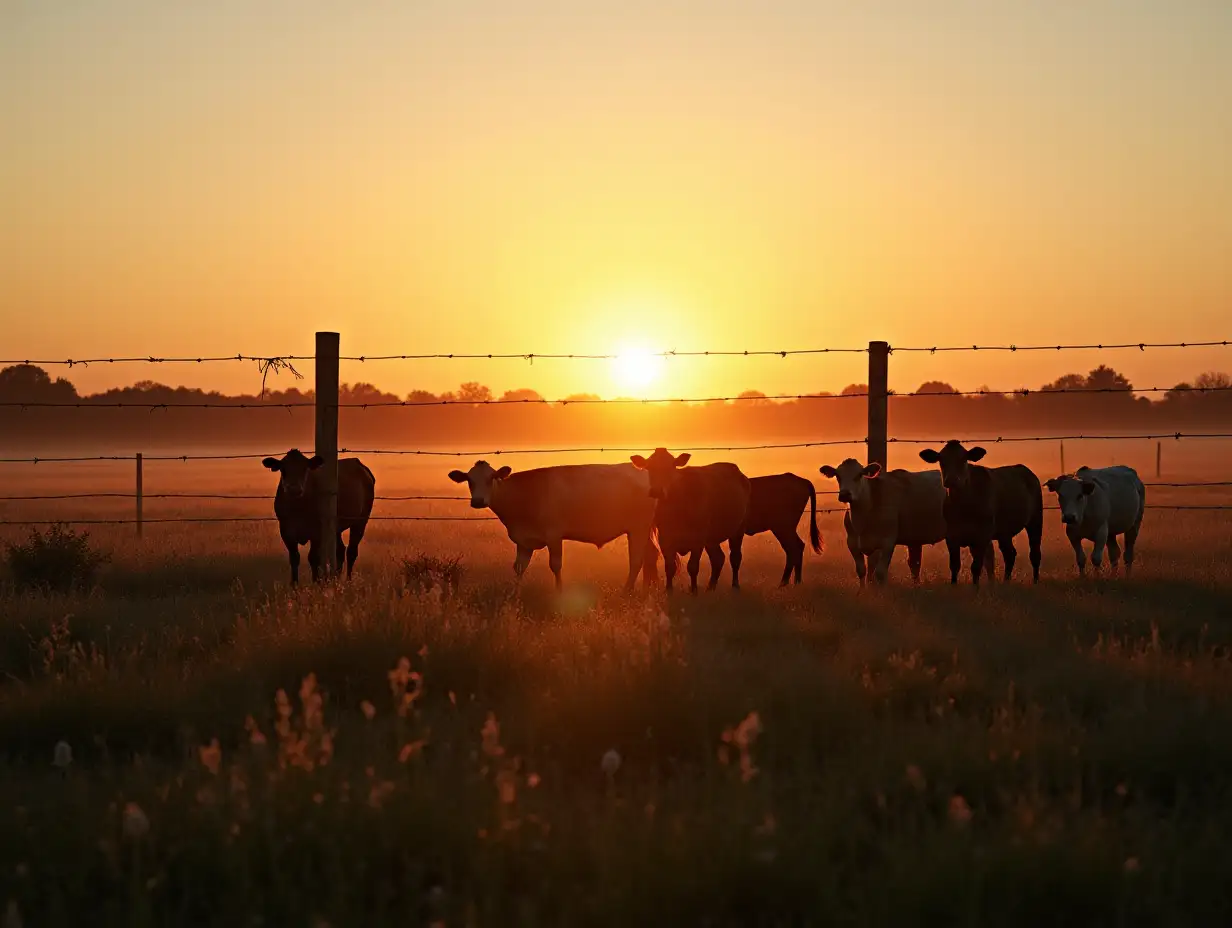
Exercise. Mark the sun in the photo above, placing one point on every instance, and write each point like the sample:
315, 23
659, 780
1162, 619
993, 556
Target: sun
636, 369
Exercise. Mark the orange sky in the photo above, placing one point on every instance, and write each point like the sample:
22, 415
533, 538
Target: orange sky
523, 175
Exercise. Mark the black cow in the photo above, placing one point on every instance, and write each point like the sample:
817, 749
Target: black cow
987, 503
699, 508
776, 503
297, 504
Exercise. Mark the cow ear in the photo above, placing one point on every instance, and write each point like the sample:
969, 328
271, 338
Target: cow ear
638, 461
929, 456
503, 472
1051, 484
1087, 487
457, 476
315, 461
272, 463
827, 471
976, 454
682, 459
872, 470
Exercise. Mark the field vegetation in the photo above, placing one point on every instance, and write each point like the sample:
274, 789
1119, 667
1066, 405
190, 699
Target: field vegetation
188, 741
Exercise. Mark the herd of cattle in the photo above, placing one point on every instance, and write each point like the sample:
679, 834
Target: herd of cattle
691, 510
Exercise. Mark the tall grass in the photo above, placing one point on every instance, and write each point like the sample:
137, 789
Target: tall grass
385, 753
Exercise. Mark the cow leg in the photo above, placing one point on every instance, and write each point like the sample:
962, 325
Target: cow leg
522, 561
637, 560
880, 563
293, 557
1080, 556
355, 536
736, 546
793, 547
650, 563
990, 562
717, 559
1009, 554
955, 551
556, 556
1035, 531
1097, 551
1131, 540
314, 560
1114, 554
978, 554
670, 564
915, 557
695, 566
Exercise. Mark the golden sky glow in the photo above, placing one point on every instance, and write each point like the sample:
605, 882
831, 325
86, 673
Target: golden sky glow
523, 175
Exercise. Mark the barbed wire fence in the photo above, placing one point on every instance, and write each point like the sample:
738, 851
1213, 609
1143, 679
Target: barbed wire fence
327, 404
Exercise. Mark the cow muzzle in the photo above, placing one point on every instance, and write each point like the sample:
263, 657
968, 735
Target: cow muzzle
1069, 518
478, 504
844, 496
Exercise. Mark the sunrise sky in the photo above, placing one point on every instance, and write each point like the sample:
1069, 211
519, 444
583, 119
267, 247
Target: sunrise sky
512, 175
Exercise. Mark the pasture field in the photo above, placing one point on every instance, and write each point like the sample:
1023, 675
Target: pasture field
244, 754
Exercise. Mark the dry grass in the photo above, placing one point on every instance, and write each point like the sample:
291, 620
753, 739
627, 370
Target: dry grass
1056, 755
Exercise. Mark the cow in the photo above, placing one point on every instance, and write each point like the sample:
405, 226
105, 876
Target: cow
776, 503
983, 504
297, 504
1097, 505
698, 509
547, 506
886, 509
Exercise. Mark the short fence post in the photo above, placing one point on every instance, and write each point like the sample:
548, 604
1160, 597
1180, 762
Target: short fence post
327, 446
140, 492
1159, 455
878, 402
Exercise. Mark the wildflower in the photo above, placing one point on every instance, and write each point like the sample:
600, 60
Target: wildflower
491, 737
211, 756
915, 776
410, 750
533, 780
610, 763
1132, 865
62, 757
255, 737
960, 812
743, 737
369, 710
1122, 790
134, 823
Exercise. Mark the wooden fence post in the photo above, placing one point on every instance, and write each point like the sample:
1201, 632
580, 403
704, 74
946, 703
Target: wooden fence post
140, 493
1159, 456
327, 446
1062, 455
878, 403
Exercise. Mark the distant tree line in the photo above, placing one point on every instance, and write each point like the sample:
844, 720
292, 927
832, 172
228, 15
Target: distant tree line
935, 411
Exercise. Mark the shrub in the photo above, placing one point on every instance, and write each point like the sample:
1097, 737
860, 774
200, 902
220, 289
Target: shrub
57, 560
424, 571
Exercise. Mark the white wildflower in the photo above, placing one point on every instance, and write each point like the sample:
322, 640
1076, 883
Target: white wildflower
135, 823
62, 757
610, 763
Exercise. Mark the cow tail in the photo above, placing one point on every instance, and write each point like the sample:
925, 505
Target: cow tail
814, 532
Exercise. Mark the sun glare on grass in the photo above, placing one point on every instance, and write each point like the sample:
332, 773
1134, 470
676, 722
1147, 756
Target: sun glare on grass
635, 370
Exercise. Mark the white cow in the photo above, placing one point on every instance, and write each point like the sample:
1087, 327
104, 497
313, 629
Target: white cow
887, 509
1097, 504
591, 503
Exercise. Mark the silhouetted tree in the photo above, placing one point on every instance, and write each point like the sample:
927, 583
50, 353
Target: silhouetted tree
27, 383
935, 386
474, 392
523, 395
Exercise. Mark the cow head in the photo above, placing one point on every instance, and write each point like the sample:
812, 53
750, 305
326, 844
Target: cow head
852, 477
661, 467
953, 458
481, 479
293, 471
1072, 494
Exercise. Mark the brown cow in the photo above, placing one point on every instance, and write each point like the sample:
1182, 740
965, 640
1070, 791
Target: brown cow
776, 503
899, 507
987, 503
699, 508
297, 504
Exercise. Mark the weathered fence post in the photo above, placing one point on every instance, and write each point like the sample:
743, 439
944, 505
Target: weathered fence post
878, 402
1159, 457
1062, 455
327, 446
140, 492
